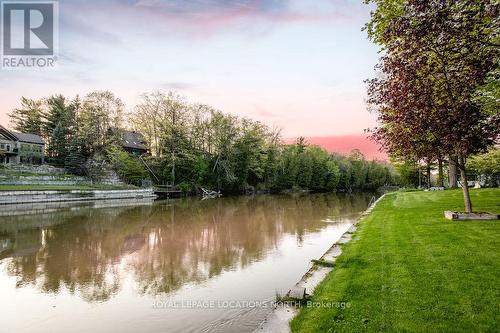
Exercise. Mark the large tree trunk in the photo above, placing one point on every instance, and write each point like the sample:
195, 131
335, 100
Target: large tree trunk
440, 172
465, 186
452, 172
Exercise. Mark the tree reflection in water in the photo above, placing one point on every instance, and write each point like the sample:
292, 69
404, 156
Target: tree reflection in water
163, 246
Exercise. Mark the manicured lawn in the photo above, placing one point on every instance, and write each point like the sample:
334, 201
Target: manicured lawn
61, 187
411, 270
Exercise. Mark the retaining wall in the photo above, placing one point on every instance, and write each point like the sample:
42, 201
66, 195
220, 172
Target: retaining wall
43, 180
17, 197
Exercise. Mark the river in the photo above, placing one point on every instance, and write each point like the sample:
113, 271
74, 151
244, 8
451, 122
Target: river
186, 265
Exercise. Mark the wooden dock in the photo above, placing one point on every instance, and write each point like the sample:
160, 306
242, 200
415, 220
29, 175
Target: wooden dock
167, 192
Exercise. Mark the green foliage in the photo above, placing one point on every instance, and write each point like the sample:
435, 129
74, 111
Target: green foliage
487, 163
58, 126
100, 112
385, 11
185, 187
128, 167
75, 160
488, 95
487, 166
27, 118
408, 173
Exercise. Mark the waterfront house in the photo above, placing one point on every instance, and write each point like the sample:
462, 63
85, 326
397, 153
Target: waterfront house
131, 141
18, 148
134, 143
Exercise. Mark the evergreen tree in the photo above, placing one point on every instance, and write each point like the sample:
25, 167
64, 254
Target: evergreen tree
28, 118
59, 126
74, 160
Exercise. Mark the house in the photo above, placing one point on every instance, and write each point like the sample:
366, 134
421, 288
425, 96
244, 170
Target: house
18, 148
133, 142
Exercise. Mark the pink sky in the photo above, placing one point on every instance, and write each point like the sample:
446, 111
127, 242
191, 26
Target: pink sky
344, 144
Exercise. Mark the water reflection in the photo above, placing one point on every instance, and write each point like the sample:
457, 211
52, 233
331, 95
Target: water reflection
162, 246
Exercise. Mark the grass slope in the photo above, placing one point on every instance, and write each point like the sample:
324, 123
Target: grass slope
411, 270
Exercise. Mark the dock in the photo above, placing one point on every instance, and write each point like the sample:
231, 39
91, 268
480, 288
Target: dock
167, 192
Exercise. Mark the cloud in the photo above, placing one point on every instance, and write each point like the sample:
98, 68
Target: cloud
74, 28
214, 7
176, 85
196, 17
221, 12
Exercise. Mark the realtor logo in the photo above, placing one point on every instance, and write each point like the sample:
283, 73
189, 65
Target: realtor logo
29, 34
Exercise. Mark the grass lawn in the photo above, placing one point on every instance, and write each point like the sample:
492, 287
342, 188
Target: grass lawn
62, 187
411, 270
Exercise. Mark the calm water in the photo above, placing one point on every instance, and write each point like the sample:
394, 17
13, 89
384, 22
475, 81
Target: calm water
148, 268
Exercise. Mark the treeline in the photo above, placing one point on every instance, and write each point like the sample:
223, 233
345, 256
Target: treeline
191, 145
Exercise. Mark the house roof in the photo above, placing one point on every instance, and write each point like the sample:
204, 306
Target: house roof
7, 134
133, 140
29, 138
23, 137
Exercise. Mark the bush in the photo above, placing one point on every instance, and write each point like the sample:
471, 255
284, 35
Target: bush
128, 168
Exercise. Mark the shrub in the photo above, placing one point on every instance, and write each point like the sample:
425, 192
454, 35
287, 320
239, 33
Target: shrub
128, 168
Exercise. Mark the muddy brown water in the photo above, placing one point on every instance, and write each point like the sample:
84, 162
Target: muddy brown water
166, 266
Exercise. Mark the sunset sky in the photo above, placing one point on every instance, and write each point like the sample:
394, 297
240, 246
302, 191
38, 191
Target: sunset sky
294, 64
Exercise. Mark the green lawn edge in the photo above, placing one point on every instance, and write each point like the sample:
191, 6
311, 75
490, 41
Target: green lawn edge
409, 269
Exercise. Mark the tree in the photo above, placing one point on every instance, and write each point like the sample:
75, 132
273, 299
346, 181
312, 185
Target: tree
74, 160
101, 111
487, 164
437, 54
147, 119
27, 118
249, 153
58, 127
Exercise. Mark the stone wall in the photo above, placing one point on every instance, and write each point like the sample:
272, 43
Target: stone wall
47, 209
23, 174
43, 169
17, 197
43, 180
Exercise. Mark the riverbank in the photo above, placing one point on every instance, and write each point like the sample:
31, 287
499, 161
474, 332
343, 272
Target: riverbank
409, 269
